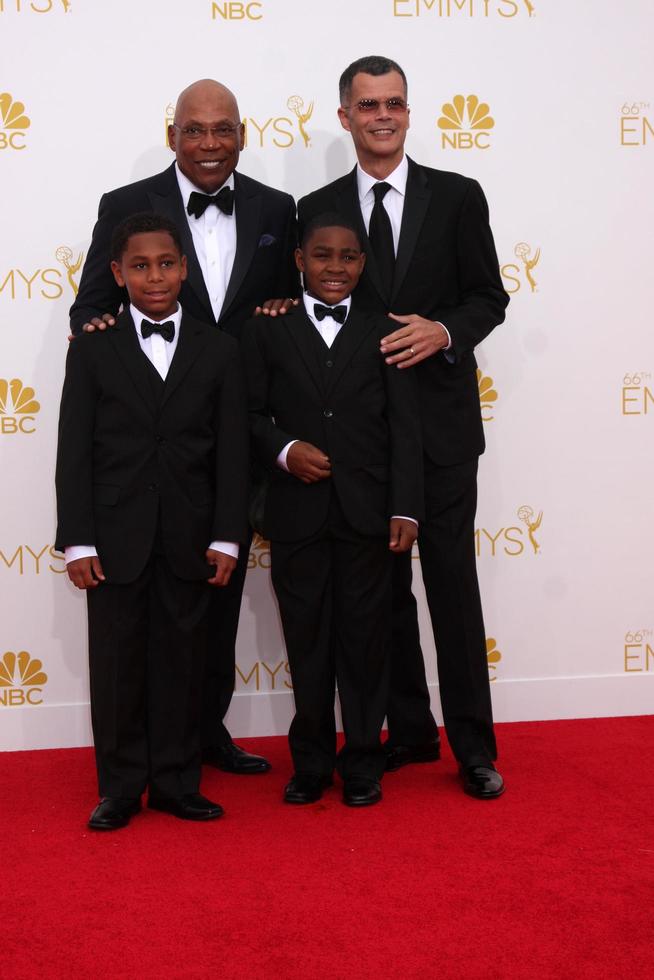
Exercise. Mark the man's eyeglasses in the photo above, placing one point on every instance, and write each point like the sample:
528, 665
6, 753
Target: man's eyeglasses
372, 105
195, 133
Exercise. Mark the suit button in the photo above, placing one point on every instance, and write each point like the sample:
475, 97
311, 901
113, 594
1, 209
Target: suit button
153, 486
329, 363
160, 438
328, 413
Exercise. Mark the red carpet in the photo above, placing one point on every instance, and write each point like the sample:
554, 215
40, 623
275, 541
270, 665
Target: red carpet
553, 880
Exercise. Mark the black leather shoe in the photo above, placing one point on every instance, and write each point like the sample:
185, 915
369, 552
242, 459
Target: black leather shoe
306, 787
482, 782
361, 791
402, 755
192, 806
112, 813
232, 758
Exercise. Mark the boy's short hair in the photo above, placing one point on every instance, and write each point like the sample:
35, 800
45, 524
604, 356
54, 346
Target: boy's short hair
329, 219
139, 224
372, 64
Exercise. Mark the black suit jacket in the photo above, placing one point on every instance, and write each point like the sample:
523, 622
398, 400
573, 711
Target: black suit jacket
264, 265
359, 411
132, 466
446, 269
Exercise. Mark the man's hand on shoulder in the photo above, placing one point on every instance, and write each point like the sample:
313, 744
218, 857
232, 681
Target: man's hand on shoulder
275, 307
416, 340
307, 462
97, 323
223, 564
85, 573
402, 534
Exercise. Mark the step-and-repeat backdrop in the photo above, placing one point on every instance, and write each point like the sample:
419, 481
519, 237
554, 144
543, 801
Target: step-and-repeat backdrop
549, 104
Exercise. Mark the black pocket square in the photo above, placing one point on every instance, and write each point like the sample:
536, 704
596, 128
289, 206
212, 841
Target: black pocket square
266, 240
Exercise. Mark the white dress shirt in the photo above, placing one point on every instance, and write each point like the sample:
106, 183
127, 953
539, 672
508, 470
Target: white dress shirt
393, 202
160, 353
214, 239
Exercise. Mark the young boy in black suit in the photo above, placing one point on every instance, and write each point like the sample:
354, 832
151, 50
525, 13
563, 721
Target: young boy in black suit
338, 432
151, 477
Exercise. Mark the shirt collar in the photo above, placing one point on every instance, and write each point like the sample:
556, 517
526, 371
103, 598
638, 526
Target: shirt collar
186, 188
310, 300
137, 316
397, 179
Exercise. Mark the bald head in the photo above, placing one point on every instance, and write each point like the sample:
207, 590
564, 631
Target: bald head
207, 135
206, 90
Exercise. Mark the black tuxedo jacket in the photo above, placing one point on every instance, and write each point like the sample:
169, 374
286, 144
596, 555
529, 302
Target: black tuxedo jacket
264, 265
136, 463
446, 269
347, 402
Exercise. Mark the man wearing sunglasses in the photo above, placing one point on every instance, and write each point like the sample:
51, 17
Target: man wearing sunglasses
432, 267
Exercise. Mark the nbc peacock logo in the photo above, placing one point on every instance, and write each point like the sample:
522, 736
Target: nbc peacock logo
465, 124
13, 123
22, 679
487, 396
493, 656
18, 406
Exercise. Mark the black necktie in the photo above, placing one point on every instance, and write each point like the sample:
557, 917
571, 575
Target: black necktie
339, 313
380, 234
198, 203
167, 329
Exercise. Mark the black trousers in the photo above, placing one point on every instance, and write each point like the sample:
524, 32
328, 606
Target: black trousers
147, 644
333, 592
220, 663
447, 557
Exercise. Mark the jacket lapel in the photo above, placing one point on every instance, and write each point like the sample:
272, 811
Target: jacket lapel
300, 328
416, 202
350, 337
167, 200
125, 342
247, 202
192, 341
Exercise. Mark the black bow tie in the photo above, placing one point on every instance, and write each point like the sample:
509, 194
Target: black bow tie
167, 329
198, 203
339, 313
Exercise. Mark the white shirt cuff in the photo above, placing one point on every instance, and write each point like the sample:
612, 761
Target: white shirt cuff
449, 338
403, 517
77, 551
230, 548
281, 459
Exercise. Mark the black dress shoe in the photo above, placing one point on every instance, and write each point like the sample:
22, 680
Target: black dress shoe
192, 806
232, 758
306, 787
402, 755
361, 791
482, 782
112, 813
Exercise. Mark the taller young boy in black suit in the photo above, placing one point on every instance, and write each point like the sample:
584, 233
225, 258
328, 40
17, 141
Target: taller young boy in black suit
152, 472
339, 433
238, 236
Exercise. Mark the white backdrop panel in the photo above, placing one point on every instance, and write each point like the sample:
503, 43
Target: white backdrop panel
566, 167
